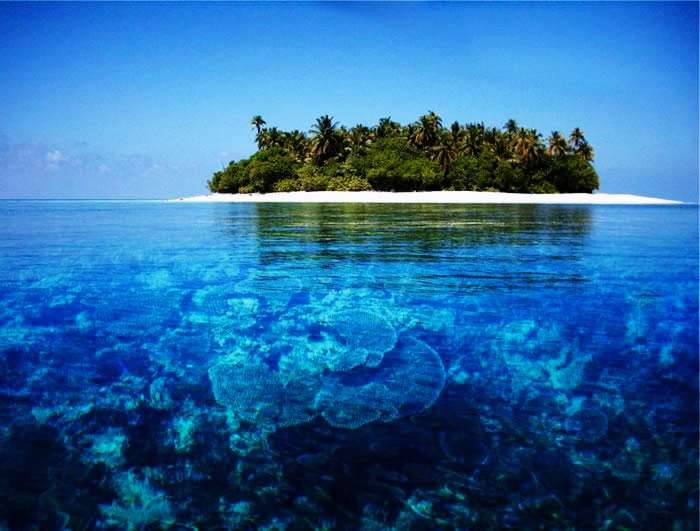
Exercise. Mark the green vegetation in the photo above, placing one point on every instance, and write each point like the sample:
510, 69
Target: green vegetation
424, 155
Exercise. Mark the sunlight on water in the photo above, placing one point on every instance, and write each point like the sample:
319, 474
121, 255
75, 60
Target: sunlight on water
376, 366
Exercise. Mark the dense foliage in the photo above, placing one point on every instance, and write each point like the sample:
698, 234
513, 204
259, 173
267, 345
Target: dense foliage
421, 156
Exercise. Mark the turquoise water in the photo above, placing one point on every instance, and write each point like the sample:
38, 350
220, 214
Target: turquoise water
348, 366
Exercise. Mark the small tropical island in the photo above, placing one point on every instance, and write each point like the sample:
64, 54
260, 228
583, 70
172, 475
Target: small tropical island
424, 156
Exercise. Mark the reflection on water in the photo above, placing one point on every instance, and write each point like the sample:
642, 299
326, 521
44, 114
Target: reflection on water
377, 366
359, 231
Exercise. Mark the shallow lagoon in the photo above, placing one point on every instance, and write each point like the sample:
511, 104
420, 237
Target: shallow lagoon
373, 366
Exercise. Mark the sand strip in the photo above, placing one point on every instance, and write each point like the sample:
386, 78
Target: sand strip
429, 197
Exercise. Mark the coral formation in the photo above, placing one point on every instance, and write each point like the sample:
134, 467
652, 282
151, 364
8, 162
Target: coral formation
139, 505
346, 366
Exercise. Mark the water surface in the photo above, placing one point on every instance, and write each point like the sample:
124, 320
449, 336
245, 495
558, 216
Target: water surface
323, 366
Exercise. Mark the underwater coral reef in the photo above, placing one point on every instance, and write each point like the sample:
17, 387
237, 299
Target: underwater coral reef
348, 366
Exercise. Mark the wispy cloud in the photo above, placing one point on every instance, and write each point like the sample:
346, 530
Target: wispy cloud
55, 158
42, 170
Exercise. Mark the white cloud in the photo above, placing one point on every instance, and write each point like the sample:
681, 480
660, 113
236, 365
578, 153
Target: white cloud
37, 169
54, 159
55, 156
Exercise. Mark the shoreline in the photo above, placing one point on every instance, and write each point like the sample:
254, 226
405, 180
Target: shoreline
441, 197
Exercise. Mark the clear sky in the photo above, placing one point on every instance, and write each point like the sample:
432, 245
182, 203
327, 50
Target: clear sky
146, 100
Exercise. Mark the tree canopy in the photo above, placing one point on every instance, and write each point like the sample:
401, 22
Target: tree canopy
424, 155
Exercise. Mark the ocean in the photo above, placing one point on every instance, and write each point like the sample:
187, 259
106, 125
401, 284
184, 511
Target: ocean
329, 366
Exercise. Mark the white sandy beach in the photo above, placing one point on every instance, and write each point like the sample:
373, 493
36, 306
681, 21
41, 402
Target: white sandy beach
429, 197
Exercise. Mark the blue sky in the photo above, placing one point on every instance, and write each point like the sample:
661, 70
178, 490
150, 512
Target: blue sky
145, 100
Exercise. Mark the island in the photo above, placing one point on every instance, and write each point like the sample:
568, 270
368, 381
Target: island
424, 156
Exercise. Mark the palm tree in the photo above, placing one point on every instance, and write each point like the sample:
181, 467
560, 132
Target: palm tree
457, 135
387, 127
557, 145
326, 142
576, 138
359, 138
261, 138
416, 135
425, 131
490, 134
257, 122
585, 151
444, 154
269, 138
473, 140
501, 147
435, 125
410, 131
511, 126
435, 120
296, 144
526, 144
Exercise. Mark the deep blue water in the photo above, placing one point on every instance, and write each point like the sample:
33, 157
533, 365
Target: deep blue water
348, 366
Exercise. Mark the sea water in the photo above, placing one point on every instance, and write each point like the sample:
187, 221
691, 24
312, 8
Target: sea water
348, 366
